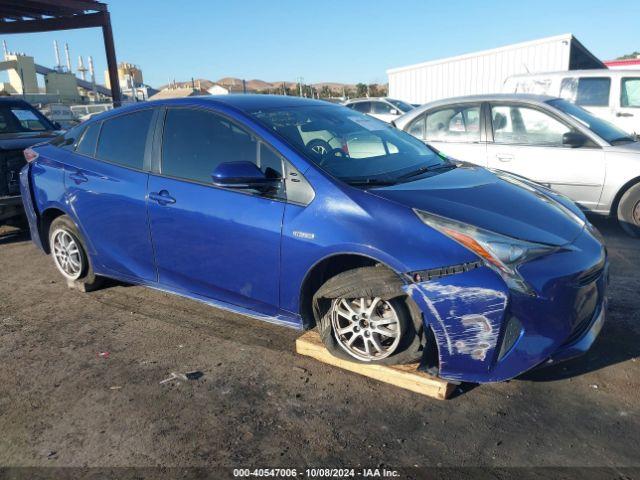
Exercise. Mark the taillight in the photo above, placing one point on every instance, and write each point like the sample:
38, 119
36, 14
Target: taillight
30, 155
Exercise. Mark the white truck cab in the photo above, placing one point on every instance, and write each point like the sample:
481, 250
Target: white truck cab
613, 95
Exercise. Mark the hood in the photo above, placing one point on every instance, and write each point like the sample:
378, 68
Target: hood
20, 141
478, 197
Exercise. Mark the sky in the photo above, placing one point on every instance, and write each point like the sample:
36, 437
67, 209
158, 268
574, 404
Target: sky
346, 41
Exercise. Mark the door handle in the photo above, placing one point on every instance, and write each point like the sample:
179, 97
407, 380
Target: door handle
504, 157
624, 114
78, 177
162, 197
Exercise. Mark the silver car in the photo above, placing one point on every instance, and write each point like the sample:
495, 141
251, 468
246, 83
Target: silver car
546, 139
383, 108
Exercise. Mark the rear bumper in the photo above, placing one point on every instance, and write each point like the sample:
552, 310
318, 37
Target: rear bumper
487, 333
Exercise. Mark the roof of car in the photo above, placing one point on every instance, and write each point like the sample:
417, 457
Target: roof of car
491, 97
365, 99
249, 102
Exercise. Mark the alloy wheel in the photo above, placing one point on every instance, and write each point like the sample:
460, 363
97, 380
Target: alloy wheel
67, 254
366, 328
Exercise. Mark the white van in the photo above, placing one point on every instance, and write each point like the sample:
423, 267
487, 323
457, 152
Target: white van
610, 94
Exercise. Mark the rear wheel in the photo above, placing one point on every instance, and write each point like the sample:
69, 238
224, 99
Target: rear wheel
629, 211
364, 316
70, 255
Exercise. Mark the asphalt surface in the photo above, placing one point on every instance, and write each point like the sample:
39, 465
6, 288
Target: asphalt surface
80, 385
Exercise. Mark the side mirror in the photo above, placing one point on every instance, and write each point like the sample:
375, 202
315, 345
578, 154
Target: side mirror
574, 139
393, 111
244, 176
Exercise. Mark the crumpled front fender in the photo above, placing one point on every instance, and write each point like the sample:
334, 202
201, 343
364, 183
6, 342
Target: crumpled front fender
466, 313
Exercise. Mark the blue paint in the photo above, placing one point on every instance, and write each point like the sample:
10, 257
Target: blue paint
252, 254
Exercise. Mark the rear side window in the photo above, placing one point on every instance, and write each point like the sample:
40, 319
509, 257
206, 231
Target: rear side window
586, 91
417, 127
123, 138
630, 95
87, 144
69, 139
454, 124
197, 141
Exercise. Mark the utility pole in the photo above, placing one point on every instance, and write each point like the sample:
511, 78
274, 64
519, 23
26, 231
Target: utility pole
300, 79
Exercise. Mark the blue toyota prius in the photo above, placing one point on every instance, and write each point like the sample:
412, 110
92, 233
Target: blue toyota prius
312, 215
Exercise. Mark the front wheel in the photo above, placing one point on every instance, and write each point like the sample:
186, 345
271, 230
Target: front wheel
364, 316
629, 211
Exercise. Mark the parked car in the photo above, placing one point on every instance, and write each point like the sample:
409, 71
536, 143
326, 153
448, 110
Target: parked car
21, 126
382, 108
60, 114
613, 95
393, 256
548, 140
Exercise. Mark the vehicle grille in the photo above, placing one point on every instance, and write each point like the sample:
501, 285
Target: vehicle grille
11, 162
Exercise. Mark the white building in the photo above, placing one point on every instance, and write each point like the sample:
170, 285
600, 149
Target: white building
486, 71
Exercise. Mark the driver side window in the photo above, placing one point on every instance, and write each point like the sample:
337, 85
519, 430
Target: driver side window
196, 142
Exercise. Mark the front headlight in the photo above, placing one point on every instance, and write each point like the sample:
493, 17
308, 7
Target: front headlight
499, 252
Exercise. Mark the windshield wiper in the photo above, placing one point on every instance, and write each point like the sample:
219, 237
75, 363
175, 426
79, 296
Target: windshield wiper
370, 182
425, 169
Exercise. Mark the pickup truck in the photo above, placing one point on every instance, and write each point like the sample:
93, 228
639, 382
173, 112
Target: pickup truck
21, 126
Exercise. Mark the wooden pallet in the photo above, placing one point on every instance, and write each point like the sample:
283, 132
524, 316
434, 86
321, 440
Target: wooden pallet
403, 376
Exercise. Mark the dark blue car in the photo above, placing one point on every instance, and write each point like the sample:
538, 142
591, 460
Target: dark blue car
309, 214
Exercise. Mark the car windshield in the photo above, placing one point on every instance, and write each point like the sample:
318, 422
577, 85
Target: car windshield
405, 107
605, 130
351, 146
21, 118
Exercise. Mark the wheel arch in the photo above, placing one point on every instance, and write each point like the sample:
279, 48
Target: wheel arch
621, 191
326, 268
46, 218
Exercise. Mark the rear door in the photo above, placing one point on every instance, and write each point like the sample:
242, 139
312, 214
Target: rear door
455, 130
527, 140
628, 113
218, 243
106, 182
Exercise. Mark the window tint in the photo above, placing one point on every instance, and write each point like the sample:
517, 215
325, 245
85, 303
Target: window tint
630, 96
417, 127
381, 108
588, 92
196, 142
525, 126
364, 107
455, 124
123, 139
87, 144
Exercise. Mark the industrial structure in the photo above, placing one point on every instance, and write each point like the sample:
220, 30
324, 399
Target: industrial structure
30, 16
486, 71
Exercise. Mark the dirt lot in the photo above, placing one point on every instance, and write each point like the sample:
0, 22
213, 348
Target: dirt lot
258, 404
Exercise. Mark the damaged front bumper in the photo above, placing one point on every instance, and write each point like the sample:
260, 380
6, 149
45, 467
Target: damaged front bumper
488, 333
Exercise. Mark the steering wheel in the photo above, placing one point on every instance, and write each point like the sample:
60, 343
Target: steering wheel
324, 151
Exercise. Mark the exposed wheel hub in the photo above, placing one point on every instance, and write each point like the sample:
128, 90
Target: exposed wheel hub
366, 328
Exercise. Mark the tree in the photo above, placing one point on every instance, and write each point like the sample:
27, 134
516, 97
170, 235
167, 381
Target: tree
629, 56
325, 91
361, 90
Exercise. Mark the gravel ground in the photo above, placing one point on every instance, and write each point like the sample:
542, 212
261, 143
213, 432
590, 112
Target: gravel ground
64, 401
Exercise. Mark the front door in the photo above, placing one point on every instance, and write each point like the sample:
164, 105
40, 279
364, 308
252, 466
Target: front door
218, 243
529, 142
628, 113
106, 188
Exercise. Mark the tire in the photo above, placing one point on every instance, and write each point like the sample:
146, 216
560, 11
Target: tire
629, 211
392, 312
69, 254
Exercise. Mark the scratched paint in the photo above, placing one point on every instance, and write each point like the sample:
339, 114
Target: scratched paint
466, 319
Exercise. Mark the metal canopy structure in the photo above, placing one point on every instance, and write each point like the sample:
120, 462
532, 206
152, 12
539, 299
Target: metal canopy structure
31, 16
